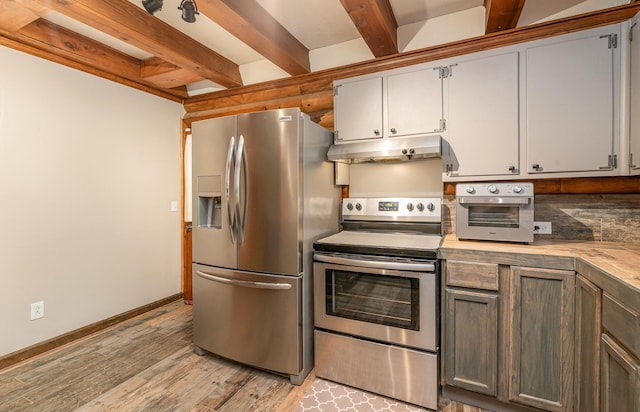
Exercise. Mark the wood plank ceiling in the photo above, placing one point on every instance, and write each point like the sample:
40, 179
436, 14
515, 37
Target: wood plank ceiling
178, 59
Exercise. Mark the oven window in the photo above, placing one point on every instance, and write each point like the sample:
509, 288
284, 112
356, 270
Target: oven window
494, 216
382, 299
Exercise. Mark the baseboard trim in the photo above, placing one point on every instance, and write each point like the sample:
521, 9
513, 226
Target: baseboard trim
53, 343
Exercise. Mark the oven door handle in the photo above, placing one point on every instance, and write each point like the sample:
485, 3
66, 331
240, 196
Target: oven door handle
491, 200
413, 266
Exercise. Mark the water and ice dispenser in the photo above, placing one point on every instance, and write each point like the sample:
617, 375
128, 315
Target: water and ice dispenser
209, 202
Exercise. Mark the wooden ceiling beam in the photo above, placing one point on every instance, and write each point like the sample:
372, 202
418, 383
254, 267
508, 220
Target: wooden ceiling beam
376, 23
166, 75
252, 24
502, 14
320, 81
15, 14
71, 45
131, 24
64, 46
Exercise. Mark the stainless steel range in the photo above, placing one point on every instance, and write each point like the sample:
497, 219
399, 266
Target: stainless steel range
376, 300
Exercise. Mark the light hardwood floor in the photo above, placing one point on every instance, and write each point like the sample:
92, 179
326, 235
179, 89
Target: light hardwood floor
146, 364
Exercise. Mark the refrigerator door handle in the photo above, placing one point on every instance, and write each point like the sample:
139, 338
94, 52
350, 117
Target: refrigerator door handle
227, 188
244, 283
241, 165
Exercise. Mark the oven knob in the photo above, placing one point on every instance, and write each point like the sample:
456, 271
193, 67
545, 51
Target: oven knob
358, 207
431, 207
350, 206
470, 189
410, 206
492, 189
420, 207
517, 189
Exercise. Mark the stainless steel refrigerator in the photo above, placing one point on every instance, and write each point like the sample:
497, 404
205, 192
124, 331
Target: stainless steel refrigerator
263, 192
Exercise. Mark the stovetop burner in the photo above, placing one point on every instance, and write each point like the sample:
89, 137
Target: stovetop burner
406, 227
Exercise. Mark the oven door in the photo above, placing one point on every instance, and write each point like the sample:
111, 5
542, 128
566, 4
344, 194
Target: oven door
387, 305
495, 218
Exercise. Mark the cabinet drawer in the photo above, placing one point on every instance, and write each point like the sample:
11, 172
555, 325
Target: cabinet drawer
622, 322
472, 275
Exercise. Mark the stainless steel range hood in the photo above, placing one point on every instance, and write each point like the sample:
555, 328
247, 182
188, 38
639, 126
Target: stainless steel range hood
387, 150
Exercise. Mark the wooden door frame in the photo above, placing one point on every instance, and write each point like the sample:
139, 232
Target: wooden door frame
185, 234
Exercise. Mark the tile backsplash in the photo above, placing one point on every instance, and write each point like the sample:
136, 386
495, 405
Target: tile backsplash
600, 218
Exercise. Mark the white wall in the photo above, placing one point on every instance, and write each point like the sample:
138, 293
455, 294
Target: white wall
419, 178
442, 29
88, 169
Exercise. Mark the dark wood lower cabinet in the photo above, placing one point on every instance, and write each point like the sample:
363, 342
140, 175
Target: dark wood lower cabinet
528, 338
541, 348
515, 344
471, 359
620, 378
587, 359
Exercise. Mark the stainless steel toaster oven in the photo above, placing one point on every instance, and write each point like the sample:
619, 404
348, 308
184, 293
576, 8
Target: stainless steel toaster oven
495, 211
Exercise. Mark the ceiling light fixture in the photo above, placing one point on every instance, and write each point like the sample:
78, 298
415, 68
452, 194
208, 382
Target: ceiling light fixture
189, 10
152, 6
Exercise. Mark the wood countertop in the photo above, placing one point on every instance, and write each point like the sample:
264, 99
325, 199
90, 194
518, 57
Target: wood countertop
614, 267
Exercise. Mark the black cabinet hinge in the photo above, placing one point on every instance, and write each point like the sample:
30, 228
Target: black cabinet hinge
612, 163
612, 40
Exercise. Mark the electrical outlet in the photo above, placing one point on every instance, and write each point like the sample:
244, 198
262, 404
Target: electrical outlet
37, 310
542, 228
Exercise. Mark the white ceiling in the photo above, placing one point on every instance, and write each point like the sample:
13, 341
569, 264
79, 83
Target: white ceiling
325, 28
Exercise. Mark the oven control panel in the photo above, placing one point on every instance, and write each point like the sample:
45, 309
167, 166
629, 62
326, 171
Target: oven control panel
392, 209
495, 189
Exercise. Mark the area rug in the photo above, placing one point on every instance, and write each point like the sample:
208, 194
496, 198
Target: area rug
326, 396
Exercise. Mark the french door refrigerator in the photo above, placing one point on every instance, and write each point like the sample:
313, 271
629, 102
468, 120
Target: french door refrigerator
263, 192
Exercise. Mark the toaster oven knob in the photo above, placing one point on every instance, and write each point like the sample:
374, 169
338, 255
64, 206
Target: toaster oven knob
517, 189
431, 207
492, 189
410, 206
358, 207
350, 206
420, 207
470, 189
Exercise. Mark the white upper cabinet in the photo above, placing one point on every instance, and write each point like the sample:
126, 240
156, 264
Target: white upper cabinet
396, 103
571, 115
414, 103
483, 117
634, 103
547, 108
357, 108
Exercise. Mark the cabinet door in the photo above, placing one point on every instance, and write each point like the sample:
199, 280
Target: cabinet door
570, 105
357, 109
414, 103
587, 359
471, 324
620, 385
542, 338
483, 116
634, 104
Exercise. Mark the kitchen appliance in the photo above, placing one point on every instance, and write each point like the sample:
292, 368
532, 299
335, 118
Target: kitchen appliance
495, 211
387, 150
376, 299
262, 193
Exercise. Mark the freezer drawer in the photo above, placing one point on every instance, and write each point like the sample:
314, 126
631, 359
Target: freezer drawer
250, 318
